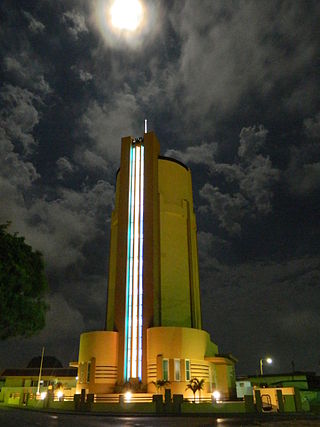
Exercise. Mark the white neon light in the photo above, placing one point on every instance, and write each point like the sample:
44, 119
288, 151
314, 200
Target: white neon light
133, 339
135, 266
141, 265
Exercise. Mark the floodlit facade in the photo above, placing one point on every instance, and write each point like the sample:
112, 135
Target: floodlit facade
153, 323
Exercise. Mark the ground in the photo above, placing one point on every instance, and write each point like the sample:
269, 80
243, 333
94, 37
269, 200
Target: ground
25, 418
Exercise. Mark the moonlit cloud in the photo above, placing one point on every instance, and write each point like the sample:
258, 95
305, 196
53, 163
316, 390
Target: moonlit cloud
232, 90
75, 23
34, 25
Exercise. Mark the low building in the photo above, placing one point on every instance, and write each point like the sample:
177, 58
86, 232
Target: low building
298, 379
20, 384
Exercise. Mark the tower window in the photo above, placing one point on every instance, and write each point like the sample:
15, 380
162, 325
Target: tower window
88, 372
165, 369
188, 376
81, 373
177, 369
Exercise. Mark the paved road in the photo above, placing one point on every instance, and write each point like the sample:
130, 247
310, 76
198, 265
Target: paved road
26, 418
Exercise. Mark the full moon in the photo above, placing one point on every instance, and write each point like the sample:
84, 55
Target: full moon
126, 14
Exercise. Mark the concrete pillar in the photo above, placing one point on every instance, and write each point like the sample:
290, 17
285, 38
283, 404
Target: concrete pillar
297, 399
280, 401
258, 400
248, 403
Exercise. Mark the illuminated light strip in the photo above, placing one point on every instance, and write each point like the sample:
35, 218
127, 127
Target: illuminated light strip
134, 285
128, 269
141, 265
135, 267
133, 193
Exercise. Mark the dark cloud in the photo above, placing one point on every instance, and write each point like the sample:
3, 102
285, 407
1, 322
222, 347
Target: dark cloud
75, 22
204, 77
250, 179
34, 25
19, 115
64, 167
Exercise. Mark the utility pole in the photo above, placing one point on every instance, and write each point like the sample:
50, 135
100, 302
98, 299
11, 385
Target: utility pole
40, 371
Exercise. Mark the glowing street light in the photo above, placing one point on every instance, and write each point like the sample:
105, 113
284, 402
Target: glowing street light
59, 394
128, 396
43, 395
268, 360
216, 396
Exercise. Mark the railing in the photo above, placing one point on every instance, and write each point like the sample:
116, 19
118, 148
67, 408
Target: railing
126, 398
208, 399
104, 398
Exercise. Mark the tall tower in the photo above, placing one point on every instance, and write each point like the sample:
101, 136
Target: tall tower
153, 323
153, 268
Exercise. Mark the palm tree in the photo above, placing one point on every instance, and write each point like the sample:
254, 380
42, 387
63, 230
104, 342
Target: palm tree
195, 385
159, 384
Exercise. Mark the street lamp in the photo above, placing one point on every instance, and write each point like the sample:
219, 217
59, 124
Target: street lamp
268, 360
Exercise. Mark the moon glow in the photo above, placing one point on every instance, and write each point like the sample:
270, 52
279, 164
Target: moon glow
126, 14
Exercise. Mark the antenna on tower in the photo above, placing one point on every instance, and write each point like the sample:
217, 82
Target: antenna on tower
145, 125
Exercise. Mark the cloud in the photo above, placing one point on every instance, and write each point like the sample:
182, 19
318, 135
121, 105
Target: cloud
304, 180
75, 22
61, 317
257, 182
312, 126
106, 123
303, 172
78, 212
277, 299
230, 50
91, 161
246, 185
34, 25
252, 139
64, 167
18, 117
229, 209
84, 76
26, 72
203, 153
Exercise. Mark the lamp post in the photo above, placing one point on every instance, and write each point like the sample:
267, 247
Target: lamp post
268, 360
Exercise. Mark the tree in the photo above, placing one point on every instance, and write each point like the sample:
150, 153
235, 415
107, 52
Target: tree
159, 384
22, 287
195, 385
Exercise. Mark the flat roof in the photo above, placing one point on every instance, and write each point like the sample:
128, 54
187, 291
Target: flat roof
33, 372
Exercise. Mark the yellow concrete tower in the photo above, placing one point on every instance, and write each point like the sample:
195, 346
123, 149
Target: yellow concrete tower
153, 325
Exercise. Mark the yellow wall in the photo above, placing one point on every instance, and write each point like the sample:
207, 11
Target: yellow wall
191, 344
180, 300
100, 348
176, 342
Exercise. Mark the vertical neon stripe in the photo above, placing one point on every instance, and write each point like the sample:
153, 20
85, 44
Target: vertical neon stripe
134, 284
128, 268
135, 267
141, 266
132, 237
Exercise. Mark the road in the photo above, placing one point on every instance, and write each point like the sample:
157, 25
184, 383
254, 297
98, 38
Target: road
26, 418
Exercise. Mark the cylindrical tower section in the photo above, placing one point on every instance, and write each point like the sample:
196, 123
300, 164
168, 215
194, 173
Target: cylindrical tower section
180, 297
98, 362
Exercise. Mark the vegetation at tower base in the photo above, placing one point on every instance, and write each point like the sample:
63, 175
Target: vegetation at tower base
22, 287
195, 385
159, 384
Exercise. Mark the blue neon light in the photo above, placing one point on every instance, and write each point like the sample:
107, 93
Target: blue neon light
134, 281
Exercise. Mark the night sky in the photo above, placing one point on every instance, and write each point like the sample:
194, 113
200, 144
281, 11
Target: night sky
232, 89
